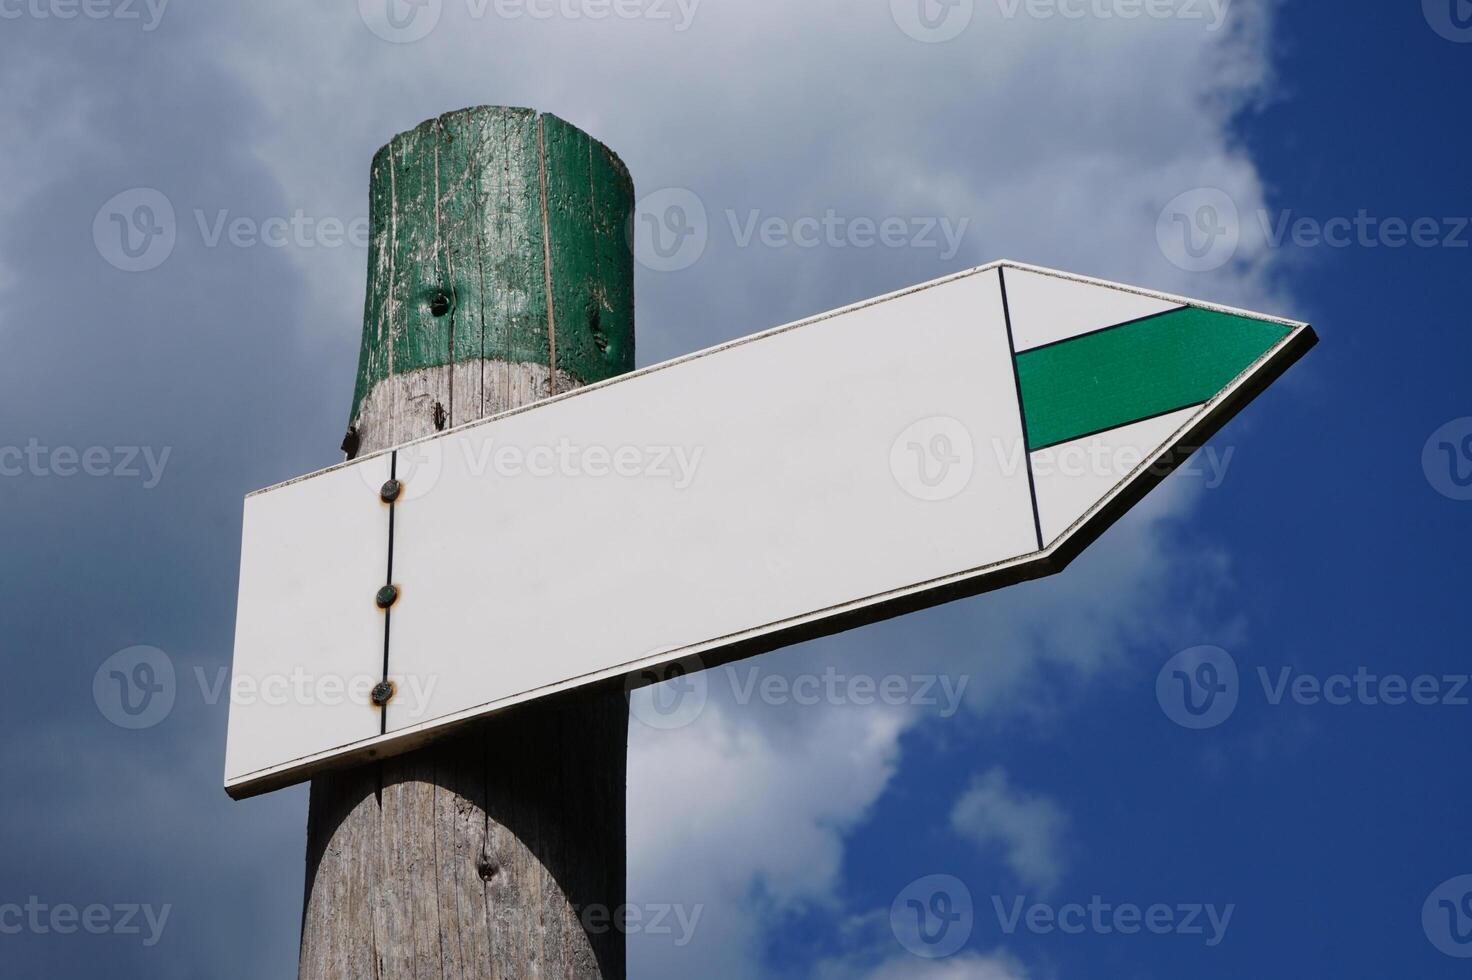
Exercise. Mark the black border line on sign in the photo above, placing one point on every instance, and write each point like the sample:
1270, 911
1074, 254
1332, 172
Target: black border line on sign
1032, 486
1112, 326
388, 614
1120, 425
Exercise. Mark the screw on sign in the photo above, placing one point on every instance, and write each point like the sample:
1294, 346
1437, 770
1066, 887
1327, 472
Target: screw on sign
382, 693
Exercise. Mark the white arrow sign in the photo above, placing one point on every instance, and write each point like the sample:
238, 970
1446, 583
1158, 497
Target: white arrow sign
927, 445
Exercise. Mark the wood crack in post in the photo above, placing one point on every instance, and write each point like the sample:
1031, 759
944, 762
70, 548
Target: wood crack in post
547, 254
444, 255
599, 296
390, 302
434, 853
485, 844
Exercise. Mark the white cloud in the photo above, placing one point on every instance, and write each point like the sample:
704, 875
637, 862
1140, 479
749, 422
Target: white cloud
964, 967
1029, 829
57, 132
746, 821
1060, 140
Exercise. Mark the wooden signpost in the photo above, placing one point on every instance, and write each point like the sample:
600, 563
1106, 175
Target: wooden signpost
525, 523
498, 275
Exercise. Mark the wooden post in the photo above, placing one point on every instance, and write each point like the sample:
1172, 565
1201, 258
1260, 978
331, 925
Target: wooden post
499, 272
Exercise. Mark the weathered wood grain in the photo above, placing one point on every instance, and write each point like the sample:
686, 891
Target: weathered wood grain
476, 856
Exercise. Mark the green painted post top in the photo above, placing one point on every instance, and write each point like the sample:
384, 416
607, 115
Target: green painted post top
498, 234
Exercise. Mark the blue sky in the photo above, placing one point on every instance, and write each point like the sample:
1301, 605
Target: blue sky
1327, 544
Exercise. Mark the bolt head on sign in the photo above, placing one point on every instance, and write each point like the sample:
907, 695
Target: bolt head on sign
938, 459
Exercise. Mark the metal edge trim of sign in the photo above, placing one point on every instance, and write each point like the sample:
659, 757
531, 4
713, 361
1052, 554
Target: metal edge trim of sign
1211, 417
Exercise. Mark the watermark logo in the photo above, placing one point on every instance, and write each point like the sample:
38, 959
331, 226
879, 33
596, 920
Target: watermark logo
1447, 459
677, 465
1363, 687
670, 230
419, 466
933, 21
135, 688
675, 922
1452, 19
1446, 917
1213, 12
669, 695
937, 21
406, 21
934, 459
1096, 457
301, 688
116, 462
401, 21
1101, 918
138, 688
682, 690
941, 692
135, 230
1199, 231
837, 231
1198, 688
297, 230
41, 918
933, 916
1363, 230
149, 13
